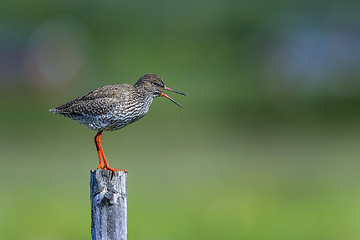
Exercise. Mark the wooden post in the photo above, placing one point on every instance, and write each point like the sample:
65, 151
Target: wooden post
108, 195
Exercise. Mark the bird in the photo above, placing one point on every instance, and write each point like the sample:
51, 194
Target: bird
113, 107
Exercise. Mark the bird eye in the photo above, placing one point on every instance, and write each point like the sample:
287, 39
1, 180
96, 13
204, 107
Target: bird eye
155, 84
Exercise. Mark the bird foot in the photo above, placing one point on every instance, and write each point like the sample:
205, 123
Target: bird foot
101, 166
113, 169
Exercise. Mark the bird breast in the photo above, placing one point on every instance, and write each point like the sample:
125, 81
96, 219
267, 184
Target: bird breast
121, 115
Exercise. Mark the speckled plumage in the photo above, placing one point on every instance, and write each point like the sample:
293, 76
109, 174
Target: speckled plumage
108, 108
113, 107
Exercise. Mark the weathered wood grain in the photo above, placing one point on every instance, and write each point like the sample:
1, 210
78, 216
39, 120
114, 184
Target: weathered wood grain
108, 195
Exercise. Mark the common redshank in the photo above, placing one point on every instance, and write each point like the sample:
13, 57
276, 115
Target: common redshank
113, 107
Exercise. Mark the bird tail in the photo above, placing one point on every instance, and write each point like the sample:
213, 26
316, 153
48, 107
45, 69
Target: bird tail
54, 110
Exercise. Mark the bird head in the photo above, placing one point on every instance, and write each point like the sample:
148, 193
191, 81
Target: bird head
153, 84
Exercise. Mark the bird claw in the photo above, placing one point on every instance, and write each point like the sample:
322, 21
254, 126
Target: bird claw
114, 169
101, 166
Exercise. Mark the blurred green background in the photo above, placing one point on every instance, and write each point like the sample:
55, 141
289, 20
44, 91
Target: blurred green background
266, 145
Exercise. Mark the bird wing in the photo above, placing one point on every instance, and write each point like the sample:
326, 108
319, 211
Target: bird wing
99, 101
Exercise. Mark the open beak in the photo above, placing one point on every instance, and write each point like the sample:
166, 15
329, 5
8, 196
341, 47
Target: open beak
169, 89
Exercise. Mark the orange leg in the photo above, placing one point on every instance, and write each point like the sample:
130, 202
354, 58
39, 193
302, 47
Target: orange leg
101, 153
97, 141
